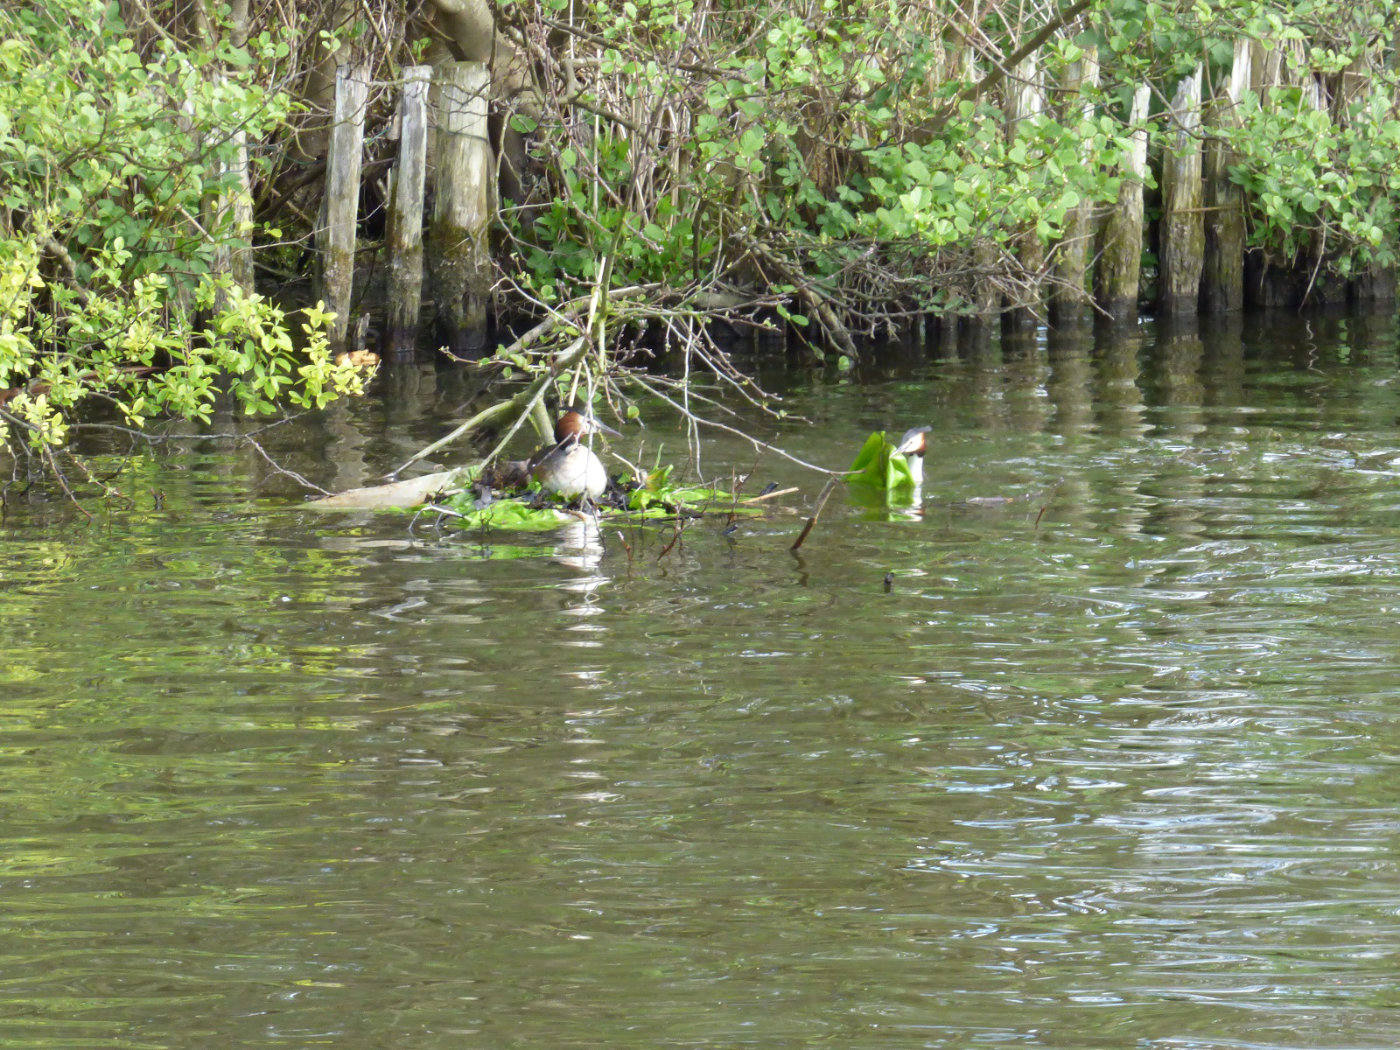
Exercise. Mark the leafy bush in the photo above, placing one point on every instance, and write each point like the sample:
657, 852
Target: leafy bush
116, 175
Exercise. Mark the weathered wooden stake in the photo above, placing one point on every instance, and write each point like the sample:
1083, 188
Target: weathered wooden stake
459, 259
1183, 229
1069, 299
241, 209
336, 236
1025, 103
405, 234
983, 290
1120, 263
231, 212
1268, 285
1222, 280
986, 296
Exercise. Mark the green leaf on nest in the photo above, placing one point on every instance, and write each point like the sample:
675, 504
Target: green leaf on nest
506, 514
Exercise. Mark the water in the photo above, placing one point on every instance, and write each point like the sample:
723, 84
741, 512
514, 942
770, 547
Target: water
1112, 763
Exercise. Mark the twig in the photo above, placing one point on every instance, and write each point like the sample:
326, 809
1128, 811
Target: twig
821, 502
680, 527
755, 442
283, 470
770, 495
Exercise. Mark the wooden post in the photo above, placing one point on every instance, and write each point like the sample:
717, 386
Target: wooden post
1268, 285
230, 213
1025, 104
336, 236
241, 211
1222, 280
459, 255
1069, 298
1183, 234
1120, 263
984, 297
405, 233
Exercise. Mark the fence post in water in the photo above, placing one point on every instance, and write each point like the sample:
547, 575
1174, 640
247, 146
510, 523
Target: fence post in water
459, 259
1120, 263
336, 236
405, 284
1025, 103
1268, 285
1222, 281
1183, 233
982, 291
1069, 298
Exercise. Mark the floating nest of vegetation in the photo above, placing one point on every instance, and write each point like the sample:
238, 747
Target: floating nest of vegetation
477, 505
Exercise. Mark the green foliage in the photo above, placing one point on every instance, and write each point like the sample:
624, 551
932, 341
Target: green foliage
1320, 181
1317, 185
117, 174
509, 514
659, 497
850, 141
879, 467
816, 135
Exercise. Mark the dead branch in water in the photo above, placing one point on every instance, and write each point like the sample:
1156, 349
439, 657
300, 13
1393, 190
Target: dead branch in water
812, 521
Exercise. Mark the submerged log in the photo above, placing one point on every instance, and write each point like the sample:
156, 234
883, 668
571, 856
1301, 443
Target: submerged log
394, 495
1120, 263
405, 235
1183, 229
1222, 279
336, 236
459, 260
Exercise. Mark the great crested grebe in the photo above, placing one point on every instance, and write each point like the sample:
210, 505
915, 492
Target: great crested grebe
912, 447
569, 468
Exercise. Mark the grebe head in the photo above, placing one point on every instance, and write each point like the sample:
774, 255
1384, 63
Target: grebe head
574, 425
914, 442
912, 447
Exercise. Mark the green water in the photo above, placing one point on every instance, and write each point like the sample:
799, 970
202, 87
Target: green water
1114, 762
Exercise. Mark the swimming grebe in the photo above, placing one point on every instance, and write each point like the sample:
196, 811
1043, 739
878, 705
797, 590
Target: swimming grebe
912, 447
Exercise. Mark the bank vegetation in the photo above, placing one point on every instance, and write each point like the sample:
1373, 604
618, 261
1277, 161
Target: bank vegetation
660, 173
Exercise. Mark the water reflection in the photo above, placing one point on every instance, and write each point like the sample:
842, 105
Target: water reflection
1069, 354
580, 547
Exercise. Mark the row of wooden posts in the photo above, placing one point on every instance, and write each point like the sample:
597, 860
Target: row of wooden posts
1204, 263
458, 260
1201, 236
